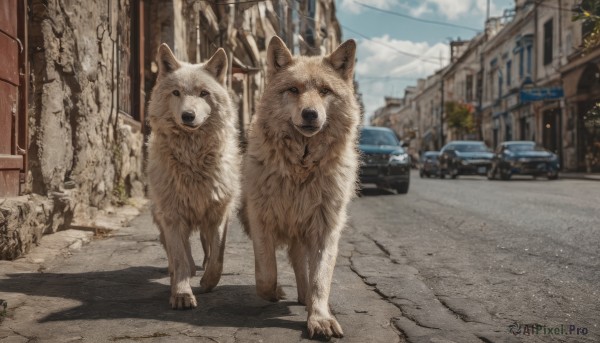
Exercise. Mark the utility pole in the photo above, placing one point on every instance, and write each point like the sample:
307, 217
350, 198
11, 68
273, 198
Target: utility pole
442, 111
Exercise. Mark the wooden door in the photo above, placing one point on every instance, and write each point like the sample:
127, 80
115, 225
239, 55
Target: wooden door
13, 102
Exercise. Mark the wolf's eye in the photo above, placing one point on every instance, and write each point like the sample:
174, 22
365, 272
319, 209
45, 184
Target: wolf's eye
176, 93
294, 90
204, 93
324, 91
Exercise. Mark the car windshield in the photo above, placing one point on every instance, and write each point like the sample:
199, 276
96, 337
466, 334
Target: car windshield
471, 147
377, 137
432, 157
523, 147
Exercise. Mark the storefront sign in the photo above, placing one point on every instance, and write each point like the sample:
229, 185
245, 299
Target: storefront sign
542, 93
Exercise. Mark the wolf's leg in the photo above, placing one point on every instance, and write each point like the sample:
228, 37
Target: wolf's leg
297, 255
175, 236
265, 264
205, 248
188, 253
321, 262
214, 266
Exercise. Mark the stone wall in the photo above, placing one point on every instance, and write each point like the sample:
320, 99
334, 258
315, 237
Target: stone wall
77, 139
83, 155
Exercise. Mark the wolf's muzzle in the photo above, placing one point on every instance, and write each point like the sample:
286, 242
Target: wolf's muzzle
309, 115
188, 117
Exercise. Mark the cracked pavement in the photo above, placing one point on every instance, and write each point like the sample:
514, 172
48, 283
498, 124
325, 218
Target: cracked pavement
452, 261
116, 289
464, 259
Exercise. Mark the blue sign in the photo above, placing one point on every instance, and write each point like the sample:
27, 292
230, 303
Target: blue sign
539, 94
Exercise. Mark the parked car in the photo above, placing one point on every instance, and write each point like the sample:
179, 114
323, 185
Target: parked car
464, 158
429, 165
523, 158
384, 162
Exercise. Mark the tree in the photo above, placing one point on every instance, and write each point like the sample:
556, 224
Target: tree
460, 117
589, 13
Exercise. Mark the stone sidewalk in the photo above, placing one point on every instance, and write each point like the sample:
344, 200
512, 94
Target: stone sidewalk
113, 286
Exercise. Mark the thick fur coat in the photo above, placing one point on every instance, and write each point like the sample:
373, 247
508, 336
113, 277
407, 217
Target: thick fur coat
193, 166
299, 173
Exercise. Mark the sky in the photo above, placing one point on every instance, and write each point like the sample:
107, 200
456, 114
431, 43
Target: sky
399, 50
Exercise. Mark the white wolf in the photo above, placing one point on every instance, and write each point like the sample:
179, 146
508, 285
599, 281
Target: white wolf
193, 167
300, 173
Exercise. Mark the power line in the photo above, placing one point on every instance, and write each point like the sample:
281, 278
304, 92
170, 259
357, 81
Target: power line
373, 77
216, 2
419, 57
428, 21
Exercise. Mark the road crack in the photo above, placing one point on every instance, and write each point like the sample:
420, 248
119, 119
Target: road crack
387, 298
139, 338
29, 338
379, 245
459, 315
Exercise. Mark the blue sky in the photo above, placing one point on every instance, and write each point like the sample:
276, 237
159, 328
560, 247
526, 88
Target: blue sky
382, 70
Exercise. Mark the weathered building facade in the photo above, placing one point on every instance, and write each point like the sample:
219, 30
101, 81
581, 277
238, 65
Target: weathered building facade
527, 77
76, 120
75, 79
580, 73
507, 67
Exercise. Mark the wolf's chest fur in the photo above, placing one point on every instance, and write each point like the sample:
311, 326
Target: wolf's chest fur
303, 189
188, 178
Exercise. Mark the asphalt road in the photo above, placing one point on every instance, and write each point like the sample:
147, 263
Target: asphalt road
451, 261
488, 255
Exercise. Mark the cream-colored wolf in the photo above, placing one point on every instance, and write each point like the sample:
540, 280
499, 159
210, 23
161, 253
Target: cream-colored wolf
299, 173
193, 167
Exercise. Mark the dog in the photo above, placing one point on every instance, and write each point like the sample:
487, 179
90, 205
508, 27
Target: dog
299, 173
193, 166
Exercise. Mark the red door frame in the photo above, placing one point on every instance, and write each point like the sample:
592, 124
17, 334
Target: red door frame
14, 81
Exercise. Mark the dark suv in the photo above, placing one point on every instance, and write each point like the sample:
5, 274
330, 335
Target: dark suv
465, 158
523, 158
384, 162
429, 165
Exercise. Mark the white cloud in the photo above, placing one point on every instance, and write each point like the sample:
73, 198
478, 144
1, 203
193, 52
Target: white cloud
381, 70
455, 9
352, 6
420, 10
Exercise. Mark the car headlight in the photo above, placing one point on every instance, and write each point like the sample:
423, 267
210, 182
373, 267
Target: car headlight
399, 158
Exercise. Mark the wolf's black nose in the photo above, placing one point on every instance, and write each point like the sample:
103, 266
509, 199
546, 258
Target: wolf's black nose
309, 114
188, 116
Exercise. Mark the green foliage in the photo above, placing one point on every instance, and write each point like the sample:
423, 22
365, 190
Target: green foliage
460, 117
589, 13
591, 120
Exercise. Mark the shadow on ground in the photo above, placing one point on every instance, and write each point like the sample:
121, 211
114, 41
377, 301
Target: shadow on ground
134, 293
375, 192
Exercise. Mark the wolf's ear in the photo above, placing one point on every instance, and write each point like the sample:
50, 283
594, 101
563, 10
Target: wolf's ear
217, 65
342, 59
167, 62
278, 56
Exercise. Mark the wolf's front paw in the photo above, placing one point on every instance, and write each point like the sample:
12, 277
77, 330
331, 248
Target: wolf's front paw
183, 301
326, 326
271, 294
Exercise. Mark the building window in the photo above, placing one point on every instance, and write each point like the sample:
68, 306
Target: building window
521, 64
529, 60
499, 84
469, 90
479, 87
508, 72
548, 30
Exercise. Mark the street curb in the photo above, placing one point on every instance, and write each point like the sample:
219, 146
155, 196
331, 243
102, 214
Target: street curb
580, 177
